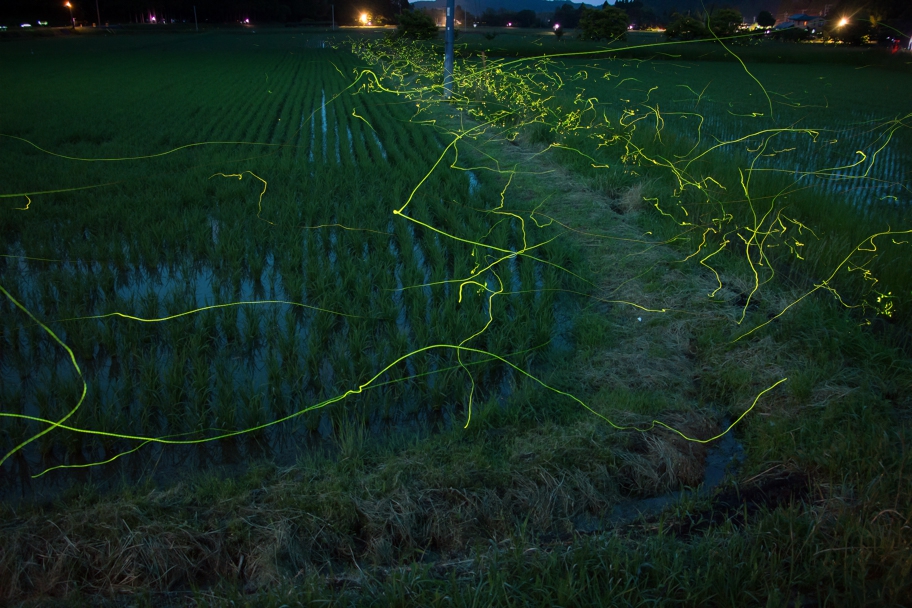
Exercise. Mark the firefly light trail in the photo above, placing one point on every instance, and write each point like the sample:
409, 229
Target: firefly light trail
502, 98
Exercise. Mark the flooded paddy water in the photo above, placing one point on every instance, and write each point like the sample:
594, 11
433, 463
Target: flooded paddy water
256, 347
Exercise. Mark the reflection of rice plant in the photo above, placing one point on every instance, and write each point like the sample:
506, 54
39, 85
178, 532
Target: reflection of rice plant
224, 409
252, 407
200, 392
275, 379
174, 397
250, 328
149, 394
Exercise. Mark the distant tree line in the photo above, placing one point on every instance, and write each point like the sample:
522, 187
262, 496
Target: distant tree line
718, 23
684, 22
503, 17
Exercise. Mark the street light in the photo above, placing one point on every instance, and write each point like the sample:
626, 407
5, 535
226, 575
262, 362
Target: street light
70, 6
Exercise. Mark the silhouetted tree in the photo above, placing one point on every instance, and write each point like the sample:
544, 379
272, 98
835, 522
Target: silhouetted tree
725, 21
685, 27
417, 25
568, 16
609, 23
765, 19
526, 18
638, 13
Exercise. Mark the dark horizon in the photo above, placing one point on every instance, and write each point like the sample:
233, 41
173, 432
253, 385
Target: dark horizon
346, 11
208, 11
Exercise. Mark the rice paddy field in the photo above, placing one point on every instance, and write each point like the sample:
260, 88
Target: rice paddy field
290, 212
280, 324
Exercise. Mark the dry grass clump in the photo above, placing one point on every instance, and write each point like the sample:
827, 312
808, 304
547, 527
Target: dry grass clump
640, 366
632, 201
829, 393
733, 375
662, 461
109, 548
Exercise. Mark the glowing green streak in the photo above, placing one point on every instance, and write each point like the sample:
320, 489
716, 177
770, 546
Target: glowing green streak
758, 237
144, 157
825, 283
212, 307
240, 176
57, 423
147, 440
747, 71
58, 191
459, 348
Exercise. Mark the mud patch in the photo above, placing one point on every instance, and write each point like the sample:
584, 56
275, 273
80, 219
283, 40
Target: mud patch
738, 504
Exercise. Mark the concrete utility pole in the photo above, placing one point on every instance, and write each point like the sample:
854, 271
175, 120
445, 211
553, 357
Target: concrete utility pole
97, 13
195, 22
448, 57
333, 17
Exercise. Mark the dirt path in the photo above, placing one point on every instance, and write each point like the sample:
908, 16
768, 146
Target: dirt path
642, 359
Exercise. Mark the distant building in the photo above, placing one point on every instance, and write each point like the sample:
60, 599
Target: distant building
807, 22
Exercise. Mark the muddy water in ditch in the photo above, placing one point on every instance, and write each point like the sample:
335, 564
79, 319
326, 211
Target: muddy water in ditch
724, 457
